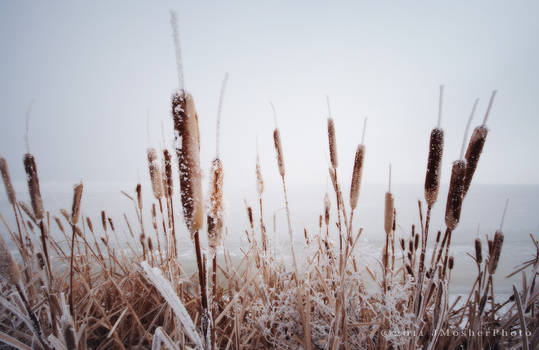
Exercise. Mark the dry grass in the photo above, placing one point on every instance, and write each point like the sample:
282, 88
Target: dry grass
86, 290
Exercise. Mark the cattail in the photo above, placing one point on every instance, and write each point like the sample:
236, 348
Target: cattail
10, 191
111, 223
168, 173
279, 150
455, 194
59, 223
436, 150
138, 189
90, 225
332, 143
75, 210
451, 262
494, 256
155, 173
402, 243
33, 185
356, 176
416, 242
259, 178
478, 251
432, 179
250, 215
475, 147
388, 218
187, 138
327, 208
150, 244
438, 236
216, 207
104, 220
9, 270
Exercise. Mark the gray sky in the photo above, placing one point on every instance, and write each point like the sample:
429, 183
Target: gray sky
96, 68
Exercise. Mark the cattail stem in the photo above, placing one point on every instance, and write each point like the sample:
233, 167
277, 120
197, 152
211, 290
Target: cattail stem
202, 282
467, 128
176, 37
219, 109
440, 105
489, 107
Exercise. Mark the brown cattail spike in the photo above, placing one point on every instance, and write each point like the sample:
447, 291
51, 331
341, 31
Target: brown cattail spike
75, 209
332, 139
473, 152
356, 176
455, 194
494, 256
478, 251
259, 178
327, 208
187, 140
216, 208
388, 218
168, 173
155, 173
33, 185
432, 179
10, 191
279, 150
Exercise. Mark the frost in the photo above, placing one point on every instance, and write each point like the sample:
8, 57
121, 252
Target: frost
164, 287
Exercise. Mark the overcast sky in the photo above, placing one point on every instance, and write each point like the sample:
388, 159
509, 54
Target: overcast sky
96, 68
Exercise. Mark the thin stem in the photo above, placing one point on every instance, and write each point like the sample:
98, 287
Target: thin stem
274, 114
489, 106
468, 128
440, 105
219, 109
329, 108
503, 215
27, 129
363, 133
176, 36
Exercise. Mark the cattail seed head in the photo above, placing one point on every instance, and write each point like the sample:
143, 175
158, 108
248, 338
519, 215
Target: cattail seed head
478, 251
75, 209
111, 223
104, 220
59, 223
473, 152
33, 185
356, 176
155, 173
150, 244
138, 189
279, 150
10, 191
388, 217
332, 143
402, 243
327, 208
455, 194
216, 206
438, 236
168, 173
90, 225
432, 179
9, 270
187, 138
451, 262
416, 242
259, 178
494, 256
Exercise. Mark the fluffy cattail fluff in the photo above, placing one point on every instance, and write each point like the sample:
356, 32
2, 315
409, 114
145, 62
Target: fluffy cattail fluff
494, 256
75, 209
7, 182
9, 270
279, 150
327, 208
155, 173
332, 143
168, 184
33, 185
356, 176
432, 179
473, 152
478, 251
388, 218
216, 208
187, 138
455, 194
